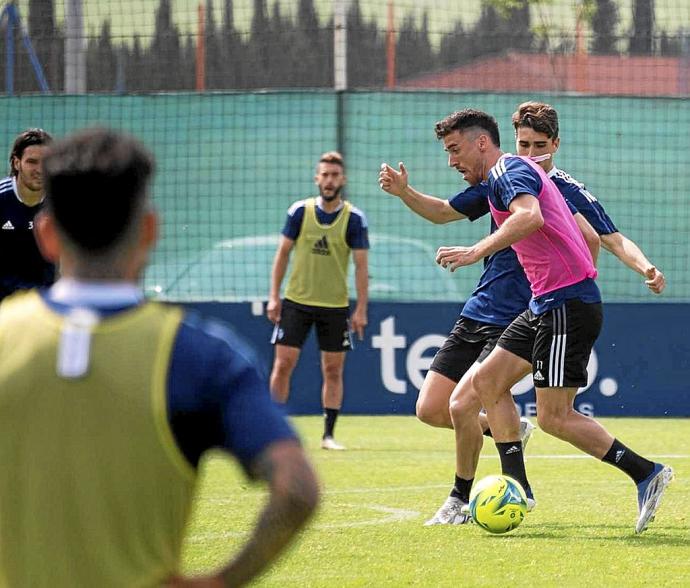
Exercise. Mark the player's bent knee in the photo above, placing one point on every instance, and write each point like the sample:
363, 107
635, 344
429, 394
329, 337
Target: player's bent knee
421, 412
432, 415
551, 424
462, 411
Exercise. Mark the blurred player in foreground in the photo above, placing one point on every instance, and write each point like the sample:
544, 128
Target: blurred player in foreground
21, 197
553, 338
108, 402
322, 231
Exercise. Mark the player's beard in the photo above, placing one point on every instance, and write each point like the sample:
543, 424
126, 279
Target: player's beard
336, 193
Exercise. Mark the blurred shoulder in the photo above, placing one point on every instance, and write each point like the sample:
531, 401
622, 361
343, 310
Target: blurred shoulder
359, 214
297, 206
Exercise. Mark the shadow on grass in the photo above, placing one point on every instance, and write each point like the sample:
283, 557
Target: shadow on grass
666, 535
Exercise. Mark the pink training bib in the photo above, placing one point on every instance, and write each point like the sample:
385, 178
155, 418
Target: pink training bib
556, 255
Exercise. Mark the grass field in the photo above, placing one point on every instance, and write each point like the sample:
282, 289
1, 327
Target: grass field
377, 495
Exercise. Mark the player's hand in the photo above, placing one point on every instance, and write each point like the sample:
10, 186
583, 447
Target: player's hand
655, 281
201, 582
455, 257
273, 310
392, 181
358, 321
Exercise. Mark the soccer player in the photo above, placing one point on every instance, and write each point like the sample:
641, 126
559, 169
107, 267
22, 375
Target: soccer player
536, 129
536, 134
21, 198
108, 402
322, 231
501, 295
553, 338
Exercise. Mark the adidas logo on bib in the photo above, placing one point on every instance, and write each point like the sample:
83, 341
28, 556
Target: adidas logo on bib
321, 247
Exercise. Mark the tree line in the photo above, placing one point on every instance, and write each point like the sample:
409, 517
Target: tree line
282, 51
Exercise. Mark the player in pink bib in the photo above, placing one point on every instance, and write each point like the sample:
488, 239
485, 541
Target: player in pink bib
553, 338
556, 255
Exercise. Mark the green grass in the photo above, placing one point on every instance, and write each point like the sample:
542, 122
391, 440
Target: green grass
377, 495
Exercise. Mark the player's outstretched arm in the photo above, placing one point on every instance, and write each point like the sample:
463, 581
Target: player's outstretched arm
631, 255
525, 219
280, 263
436, 210
294, 495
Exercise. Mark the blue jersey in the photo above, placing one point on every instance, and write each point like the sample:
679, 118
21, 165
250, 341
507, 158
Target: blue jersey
586, 204
356, 235
217, 395
21, 264
503, 291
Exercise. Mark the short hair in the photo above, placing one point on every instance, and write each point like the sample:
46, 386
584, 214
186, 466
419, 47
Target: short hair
466, 119
96, 187
538, 116
26, 139
332, 157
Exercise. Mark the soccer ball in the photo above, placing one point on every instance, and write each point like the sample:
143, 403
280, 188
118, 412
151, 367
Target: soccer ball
498, 504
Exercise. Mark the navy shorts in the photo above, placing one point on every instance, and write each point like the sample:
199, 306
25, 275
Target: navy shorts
470, 341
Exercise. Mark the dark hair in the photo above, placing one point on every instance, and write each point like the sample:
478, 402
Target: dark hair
468, 118
538, 116
332, 157
26, 139
96, 185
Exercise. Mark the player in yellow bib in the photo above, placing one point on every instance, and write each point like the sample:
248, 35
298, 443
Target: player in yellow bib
322, 232
108, 402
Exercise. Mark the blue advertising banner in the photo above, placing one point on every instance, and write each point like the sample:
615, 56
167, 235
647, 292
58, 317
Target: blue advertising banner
639, 367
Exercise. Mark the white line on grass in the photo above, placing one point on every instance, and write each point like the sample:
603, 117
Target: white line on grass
393, 515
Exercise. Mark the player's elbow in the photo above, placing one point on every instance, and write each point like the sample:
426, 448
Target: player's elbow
594, 244
534, 220
300, 496
295, 485
613, 243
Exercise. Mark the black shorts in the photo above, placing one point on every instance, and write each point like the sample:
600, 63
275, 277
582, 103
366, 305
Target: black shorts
468, 342
332, 326
557, 343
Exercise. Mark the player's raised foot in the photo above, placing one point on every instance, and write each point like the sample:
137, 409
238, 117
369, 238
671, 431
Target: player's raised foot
649, 492
526, 430
332, 444
452, 512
